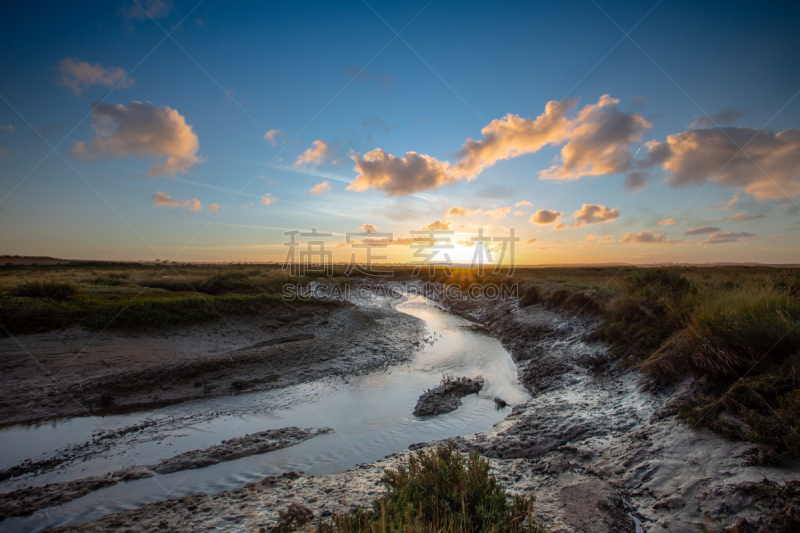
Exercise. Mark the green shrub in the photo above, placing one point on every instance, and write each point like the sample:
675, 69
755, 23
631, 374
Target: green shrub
60, 292
440, 490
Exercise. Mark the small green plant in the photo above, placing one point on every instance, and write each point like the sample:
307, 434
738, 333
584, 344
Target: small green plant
440, 490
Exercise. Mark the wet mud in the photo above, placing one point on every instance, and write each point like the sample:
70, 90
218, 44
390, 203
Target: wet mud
447, 396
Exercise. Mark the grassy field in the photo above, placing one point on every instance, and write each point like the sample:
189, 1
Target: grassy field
35, 299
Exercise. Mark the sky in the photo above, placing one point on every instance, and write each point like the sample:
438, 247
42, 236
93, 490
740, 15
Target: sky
598, 131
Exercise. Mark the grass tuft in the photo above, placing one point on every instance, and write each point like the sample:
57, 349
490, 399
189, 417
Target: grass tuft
440, 491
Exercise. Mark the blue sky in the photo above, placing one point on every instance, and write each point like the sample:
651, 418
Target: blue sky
338, 75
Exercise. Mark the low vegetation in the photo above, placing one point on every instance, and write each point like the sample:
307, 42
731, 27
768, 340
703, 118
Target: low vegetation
740, 338
37, 299
441, 491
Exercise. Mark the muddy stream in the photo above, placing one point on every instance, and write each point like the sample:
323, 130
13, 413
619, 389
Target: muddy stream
371, 416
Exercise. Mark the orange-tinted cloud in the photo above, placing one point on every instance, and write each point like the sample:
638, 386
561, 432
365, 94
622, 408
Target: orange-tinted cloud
498, 213
320, 188
213, 208
701, 230
518, 213
648, 237
399, 175
315, 155
162, 199
667, 222
78, 76
439, 225
273, 136
268, 199
458, 211
368, 228
594, 142
593, 214
544, 217
740, 217
723, 238
697, 156
523, 202
142, 130
530, 241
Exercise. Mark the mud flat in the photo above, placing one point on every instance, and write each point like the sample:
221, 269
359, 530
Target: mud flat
29, 500
77, 372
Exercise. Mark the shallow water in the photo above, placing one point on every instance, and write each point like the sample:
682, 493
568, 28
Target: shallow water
371, 415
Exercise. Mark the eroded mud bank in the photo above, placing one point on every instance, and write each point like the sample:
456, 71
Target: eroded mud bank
76, 372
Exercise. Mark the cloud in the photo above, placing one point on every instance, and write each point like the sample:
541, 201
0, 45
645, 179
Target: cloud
320, 188
648, 237
523, 202
46, 131
544, 217
702, 230
399, 175
635, 181
142, 130
498, 213
739, 217
639, 101
79, 76
248, 206
667, 222
725, 205
439, 225
724, 117
368, 228
589, 238
722, 238
5, 153
213, 208
145, 9
530, 241
315, 155
268, 199
274, 137
697, 156
458, 211
594, 142
162, 199
8, 127
519, 213
593, 214
604, 240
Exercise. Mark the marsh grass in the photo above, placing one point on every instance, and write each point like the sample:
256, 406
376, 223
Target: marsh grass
41, 299
440, 490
